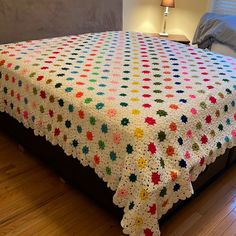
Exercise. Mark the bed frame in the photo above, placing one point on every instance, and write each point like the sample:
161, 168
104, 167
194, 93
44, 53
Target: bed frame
22, 21
70, 169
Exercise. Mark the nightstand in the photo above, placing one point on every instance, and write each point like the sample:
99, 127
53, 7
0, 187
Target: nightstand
179, 38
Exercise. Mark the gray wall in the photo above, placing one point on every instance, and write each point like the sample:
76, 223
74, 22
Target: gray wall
35, 19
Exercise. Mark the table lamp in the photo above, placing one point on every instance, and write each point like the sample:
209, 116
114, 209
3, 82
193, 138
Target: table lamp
166, 4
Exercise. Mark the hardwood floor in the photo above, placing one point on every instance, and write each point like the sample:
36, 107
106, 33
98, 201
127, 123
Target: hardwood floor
33, 201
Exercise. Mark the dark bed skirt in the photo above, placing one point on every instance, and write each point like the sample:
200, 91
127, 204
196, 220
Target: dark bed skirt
84, 178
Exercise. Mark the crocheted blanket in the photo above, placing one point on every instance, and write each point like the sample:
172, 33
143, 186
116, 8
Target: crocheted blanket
147, 114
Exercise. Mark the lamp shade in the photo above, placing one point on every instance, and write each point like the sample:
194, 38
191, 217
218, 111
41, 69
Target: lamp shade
168, 3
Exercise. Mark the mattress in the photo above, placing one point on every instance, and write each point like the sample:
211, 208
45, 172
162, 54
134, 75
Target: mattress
223, 49
147, 114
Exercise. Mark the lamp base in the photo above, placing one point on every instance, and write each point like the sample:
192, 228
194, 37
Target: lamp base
163, 34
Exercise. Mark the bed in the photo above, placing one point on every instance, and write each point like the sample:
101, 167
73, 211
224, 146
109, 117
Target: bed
223, 49
217, 33
145, 113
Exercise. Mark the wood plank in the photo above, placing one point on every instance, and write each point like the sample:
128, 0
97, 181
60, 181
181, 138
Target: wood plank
224, 224
215, 214
187, 224
231, 231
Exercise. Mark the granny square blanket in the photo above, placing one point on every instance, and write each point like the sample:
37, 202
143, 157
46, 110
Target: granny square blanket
147, 114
